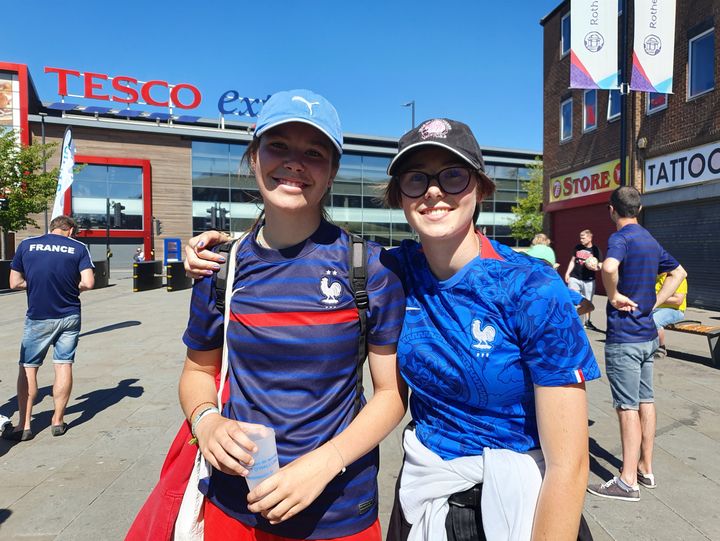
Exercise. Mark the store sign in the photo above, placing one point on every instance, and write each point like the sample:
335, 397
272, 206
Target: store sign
597, 179
232, 103
121, 89
690, 166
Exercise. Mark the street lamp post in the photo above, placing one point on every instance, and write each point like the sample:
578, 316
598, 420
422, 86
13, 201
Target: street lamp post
42, 135
411, 104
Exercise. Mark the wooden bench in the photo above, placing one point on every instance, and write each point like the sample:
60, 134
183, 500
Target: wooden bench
695, 327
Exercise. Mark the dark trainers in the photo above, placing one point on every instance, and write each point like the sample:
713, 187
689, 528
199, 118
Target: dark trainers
646, 479
660, 352
18, 435
613, 490
590, 326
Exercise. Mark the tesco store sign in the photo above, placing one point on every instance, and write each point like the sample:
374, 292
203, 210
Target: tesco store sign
125, 90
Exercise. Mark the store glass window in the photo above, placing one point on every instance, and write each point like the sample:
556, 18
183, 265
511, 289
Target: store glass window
566, 120
95, 186
702, 63
589, 110
565, 35
656, 102
613, 105
224, 193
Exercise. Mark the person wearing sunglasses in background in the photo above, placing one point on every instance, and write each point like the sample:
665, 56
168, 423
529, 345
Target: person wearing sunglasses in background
494, 353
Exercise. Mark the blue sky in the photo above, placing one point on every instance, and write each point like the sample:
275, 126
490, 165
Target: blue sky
475, 60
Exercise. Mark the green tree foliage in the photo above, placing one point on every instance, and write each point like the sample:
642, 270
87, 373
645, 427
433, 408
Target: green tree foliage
22, 182
528, 218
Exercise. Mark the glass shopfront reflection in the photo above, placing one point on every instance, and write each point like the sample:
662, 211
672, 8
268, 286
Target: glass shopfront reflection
226, 197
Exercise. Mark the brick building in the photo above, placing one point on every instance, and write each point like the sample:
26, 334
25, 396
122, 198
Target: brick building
673, 148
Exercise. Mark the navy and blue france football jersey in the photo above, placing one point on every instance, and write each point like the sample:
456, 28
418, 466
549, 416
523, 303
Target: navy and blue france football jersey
51, 265
473, 346
641, 259
293, 342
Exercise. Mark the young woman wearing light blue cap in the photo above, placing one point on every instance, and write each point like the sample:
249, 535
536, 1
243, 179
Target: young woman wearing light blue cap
292, 344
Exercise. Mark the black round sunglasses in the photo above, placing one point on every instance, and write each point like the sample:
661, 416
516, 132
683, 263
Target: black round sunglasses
452, 180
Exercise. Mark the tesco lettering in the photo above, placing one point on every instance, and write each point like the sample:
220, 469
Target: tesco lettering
129, 89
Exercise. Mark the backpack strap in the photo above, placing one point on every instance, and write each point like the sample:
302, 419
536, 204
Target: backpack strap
358, 283
221, 276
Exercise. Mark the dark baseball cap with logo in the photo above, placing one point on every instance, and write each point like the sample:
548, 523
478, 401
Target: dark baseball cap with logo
451, 135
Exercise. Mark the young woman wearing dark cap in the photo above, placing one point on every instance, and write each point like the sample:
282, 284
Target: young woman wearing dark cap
292, 347
495, 356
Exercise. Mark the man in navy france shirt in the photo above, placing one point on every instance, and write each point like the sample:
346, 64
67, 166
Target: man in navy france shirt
54, 268
634, 259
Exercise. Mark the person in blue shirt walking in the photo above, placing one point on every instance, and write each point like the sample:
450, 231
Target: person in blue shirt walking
494, 353
634, 259
54, 268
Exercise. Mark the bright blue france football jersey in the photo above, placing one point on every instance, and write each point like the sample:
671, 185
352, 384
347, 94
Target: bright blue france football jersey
473, 346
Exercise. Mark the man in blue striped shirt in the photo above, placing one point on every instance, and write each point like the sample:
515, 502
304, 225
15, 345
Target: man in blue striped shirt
634, 259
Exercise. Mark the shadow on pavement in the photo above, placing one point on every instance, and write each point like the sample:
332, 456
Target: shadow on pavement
11, 406
92, 403
4, 514
97, 401
691, 358
113, 327
598, 452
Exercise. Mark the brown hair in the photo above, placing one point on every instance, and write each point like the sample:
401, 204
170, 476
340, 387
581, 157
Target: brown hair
626, 201
65, 223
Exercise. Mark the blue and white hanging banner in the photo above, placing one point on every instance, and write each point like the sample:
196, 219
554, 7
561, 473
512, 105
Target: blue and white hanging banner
65, 179
654, 46
593, 44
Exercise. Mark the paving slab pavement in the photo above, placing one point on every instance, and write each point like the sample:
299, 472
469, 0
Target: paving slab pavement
123, 414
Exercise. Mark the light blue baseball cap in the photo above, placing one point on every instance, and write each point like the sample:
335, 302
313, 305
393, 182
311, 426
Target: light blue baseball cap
301, 106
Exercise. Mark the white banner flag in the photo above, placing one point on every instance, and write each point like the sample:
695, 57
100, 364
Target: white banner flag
654, 46
65, 179
593, 44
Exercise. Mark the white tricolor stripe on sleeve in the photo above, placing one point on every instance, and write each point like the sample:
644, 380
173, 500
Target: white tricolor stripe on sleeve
579, 376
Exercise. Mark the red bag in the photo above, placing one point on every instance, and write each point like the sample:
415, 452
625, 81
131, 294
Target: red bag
156, 519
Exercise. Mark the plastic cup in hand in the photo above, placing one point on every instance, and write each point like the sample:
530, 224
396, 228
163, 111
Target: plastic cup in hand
266, 459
